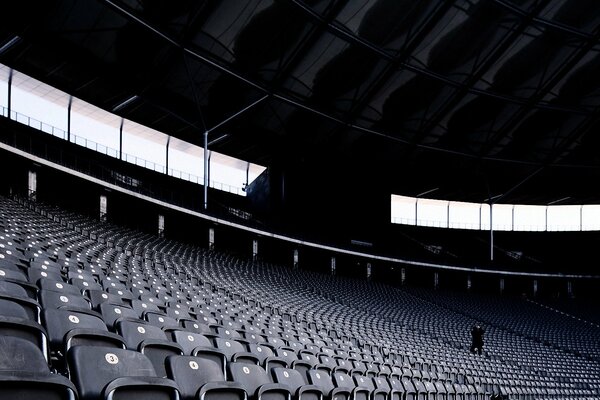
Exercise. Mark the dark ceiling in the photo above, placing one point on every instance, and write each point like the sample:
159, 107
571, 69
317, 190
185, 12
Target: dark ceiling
470, 98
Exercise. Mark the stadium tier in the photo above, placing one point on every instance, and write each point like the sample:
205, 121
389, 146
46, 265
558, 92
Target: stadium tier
90, 310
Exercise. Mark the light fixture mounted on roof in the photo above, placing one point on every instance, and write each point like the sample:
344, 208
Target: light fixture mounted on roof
217, 140
125, 103
10, 44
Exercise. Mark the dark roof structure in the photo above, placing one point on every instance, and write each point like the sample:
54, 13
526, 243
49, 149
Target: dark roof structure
474, 98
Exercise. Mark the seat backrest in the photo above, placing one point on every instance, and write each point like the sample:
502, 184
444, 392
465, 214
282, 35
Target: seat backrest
287, 354
20, 355
229, 347
364, 381
161, 320
112, 312
289, 377
59, 322
321, 380
190, 373
13, 289
250, 376
135, 333
52, 299
92, 368
190, 340
343, 380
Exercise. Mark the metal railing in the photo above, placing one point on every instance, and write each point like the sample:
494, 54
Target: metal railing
111, 152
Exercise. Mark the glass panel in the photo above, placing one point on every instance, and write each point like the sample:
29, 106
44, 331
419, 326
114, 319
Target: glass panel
186, 157
485, 216
144, 143
529, 218
403, 210
255, 171
432, 213
227, 170
4, 72
94, 124
564, 218
590, 215
502, 217
38, 102
464, 215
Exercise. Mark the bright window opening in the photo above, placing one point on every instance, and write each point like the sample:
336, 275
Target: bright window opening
45, 108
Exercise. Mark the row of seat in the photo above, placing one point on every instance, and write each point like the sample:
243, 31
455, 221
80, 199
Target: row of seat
303, 323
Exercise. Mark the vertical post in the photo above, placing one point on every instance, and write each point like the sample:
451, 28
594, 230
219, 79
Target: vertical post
32, 185
167, 155
333, 265
491, 232
103, 208
121, 139
247, 173
161, 225
416, 210
10, 76
254, 248
69, 118
205, 170
512, 216
211, 238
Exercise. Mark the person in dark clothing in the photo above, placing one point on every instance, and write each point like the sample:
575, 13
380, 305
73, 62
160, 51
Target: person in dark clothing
477, 339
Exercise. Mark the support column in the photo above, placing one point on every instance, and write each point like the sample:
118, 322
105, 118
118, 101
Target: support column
254, 248
10, 76
161, 225
69, 118
103, 208
32, 185
167, 155
332, 265
491, 232
295, 259
211, 238
205, 170
121, 140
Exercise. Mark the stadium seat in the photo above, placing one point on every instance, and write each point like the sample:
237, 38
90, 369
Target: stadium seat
116, 374
202, 378
257, 384
299, 389
324, 382
25, 375
190, 340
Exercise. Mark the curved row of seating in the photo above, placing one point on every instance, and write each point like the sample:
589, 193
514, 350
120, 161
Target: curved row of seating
103, 311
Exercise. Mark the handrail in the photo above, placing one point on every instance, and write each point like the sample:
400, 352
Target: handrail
287, 238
